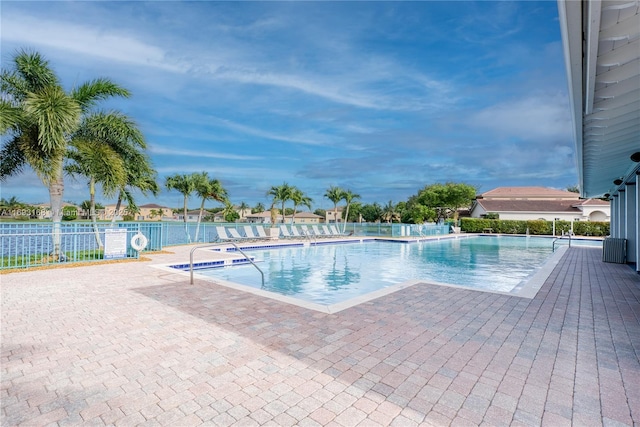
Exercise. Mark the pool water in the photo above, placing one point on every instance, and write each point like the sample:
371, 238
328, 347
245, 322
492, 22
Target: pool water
328, 274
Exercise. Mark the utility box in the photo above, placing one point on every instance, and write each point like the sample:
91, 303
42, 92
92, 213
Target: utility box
614, 250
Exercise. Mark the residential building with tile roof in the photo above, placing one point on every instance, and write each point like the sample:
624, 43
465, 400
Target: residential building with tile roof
529, 203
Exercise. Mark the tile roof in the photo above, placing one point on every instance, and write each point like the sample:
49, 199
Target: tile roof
529, 205
528, 192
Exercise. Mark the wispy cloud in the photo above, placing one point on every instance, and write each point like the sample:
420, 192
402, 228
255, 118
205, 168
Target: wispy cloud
156, 149
86, 40
531, 118
307, 138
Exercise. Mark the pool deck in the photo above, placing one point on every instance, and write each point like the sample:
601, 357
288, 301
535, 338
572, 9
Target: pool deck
128, 344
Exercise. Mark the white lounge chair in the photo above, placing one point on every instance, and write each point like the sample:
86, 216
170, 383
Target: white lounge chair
261, 232
235, 235
248, 231
284, 232
296, 233
222, 233
307, 231
317, 232
336, 232
327, 232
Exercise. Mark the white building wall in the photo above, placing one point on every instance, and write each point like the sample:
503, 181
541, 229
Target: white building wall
547, 216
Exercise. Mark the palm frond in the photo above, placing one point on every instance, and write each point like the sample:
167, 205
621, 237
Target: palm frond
113, 127
34, 70
100, 162
12, 159
55, 114
10, 116
89, 93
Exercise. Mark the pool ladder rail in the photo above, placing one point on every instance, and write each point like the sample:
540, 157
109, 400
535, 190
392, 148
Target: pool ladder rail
553, 248
220, 244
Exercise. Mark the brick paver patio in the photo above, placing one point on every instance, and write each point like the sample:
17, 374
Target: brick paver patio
127, 344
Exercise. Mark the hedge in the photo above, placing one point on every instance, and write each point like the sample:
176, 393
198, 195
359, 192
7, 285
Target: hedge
534, 227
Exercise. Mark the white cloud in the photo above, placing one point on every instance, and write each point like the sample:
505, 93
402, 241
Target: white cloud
531, 118
85, 40
308, 138
156, 149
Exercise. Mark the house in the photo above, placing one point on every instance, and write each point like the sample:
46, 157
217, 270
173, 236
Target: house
262, 217
334, 216
304, 218
43, 210
148, 212
530, 203
192, 215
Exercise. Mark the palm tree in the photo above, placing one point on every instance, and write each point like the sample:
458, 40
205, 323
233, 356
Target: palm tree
335, 194
156, 213
40, 118
229, 211
207, 189
129, 143
99, 163
99, 150
348, 197
242, 208
299, 199
185, 185
140, 176
258, 208
280, 193
388, 212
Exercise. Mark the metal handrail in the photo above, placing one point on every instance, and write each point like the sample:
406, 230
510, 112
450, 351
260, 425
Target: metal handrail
220, 244
553, 247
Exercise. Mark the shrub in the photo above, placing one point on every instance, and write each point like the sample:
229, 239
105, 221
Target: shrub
534, 227
70, 213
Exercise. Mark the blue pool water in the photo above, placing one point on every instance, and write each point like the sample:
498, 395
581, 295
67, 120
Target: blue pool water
328, 274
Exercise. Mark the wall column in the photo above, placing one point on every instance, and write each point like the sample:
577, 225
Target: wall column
613, 222
631, 232
637, 191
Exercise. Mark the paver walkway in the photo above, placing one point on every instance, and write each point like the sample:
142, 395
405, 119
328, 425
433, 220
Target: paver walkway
126, 344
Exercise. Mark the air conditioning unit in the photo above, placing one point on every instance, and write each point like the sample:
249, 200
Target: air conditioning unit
614, 250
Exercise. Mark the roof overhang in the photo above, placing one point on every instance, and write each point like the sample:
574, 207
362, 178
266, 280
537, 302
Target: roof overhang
601, 41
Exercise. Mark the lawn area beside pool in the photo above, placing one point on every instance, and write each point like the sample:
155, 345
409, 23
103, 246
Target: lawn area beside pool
129, 344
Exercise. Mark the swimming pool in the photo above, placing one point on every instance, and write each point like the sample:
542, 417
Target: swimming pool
329, 274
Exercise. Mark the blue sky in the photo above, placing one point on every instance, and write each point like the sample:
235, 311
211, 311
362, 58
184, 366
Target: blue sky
381, 98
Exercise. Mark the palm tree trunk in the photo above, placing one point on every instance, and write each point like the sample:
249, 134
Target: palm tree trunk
92, 212
117, 209
186, 227
199, 219
346, 217
56, 190
282, 211
293, 217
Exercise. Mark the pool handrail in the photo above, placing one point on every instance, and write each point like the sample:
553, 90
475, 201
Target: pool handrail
220, 244
553, 246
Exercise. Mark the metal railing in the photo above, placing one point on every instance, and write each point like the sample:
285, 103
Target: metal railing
220, 244
553, 245
31, 244
34, 244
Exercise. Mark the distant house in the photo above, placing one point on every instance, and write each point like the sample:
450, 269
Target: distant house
331, 216
192, 215
304, 218
43, 210
529, 203
262, 217
148, 212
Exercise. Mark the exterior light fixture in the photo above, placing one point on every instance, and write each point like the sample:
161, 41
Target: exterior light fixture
635, 157
617, 181
607, 195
